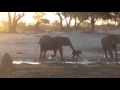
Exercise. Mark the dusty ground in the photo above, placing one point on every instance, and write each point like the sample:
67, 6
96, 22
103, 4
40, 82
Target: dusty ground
22, 47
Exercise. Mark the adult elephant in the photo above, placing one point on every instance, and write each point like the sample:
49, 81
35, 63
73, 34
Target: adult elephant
109, 43
55, 43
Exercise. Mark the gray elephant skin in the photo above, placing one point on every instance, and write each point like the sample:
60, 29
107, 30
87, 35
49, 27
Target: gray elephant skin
109, 43
54, 43
76, 53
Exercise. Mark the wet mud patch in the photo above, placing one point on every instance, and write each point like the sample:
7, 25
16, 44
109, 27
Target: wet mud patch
21, 53
67, 70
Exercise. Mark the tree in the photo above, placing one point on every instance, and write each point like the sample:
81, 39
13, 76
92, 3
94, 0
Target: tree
12, 22
68, 15
4, 23
94, 16
36, 26
56, 23
81, 16
60, 17
38, 16
115, 17
45, 21
75, 17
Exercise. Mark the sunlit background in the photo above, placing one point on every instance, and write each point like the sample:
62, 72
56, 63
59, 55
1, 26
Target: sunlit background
28, 18
54, 22
49, 15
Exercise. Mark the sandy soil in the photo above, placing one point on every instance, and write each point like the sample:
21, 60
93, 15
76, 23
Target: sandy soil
22, 46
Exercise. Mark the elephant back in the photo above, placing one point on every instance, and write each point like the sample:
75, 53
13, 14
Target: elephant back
49, 40
110, 39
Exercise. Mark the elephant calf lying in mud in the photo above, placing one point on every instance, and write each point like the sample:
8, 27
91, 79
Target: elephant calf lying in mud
55, 43
109, 43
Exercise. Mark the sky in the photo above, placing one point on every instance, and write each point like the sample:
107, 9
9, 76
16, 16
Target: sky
29, 20
49, 15
28, 16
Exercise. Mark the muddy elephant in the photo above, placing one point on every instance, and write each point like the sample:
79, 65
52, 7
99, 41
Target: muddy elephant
109, 43
54, 43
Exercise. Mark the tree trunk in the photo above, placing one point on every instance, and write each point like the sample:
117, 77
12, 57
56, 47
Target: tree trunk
69, 22
14, 27
61, 24
92, 25
115, 24
75, 23
66, 23
9, 22
79, 24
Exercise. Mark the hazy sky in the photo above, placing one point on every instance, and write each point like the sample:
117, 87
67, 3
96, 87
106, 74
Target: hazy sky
28, 16
49, 15
29, 19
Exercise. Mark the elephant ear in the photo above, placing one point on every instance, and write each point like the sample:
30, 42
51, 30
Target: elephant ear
114, 40
62, 41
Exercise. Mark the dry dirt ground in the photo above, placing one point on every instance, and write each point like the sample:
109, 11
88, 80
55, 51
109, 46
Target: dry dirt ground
22, 47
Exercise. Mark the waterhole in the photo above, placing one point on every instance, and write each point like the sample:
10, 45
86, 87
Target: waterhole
32, 61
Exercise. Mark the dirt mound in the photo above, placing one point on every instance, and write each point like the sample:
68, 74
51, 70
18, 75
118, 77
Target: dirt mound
6, 65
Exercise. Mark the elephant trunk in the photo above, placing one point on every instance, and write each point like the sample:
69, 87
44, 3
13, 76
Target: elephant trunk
72, 47
118, 39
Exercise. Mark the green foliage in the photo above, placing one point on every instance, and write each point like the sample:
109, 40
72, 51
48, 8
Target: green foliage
38, 16
21, 25
45, 21
56, 23
4, 25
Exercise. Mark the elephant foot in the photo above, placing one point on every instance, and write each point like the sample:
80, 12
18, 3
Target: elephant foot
40, 58
105, 57
44, 57
62, 59
111, 58
116, 59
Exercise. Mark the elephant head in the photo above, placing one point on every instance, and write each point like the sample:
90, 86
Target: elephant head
109, 43
118, 39
64, 41
114, 39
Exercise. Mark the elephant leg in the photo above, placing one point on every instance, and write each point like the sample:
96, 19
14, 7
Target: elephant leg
78, 55
44, 54
54, 53
105, 53
61, 52
73, 56
41, 53
116, 54
111, 54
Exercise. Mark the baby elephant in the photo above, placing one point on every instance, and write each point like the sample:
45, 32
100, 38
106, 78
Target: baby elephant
76, 53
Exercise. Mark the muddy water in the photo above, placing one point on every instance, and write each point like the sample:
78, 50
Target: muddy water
27, 61
83, 61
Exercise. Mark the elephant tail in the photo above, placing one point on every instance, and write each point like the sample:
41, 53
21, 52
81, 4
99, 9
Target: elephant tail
37, 47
